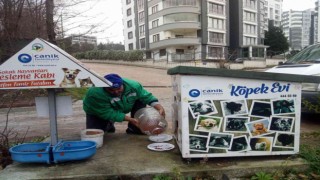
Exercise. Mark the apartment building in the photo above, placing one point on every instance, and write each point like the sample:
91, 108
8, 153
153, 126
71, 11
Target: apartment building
316, 23
81, 39
296, 27
247, 25
273, 9
195, 29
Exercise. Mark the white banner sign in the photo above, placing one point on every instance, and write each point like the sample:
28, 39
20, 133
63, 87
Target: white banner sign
43, 65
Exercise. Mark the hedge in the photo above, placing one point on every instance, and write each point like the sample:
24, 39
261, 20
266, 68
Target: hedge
135, 55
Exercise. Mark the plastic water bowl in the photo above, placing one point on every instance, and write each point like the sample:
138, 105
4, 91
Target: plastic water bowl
31, 153
73, 150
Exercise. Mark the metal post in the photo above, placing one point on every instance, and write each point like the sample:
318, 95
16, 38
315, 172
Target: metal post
52, 116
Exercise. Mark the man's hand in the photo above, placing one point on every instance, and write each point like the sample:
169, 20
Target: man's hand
132, 120
159, 108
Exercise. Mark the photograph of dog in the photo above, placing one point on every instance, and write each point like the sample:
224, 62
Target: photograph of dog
220, 140
240, 144
205, 107
235, 124
86, 82
281, 123
261, 143
259, 127
69, 77
198, 143
232, 108
260, 109
283, 106
284, 140
208, 124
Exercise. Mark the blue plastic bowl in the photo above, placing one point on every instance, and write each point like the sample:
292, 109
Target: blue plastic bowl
73, 150
31, 153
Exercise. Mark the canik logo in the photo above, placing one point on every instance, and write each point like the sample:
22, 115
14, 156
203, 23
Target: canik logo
37, 47
24, 58
194, 93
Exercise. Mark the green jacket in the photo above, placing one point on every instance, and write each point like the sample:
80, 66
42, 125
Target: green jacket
99, 102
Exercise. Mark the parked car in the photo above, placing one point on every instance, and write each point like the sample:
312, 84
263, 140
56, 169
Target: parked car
306, 62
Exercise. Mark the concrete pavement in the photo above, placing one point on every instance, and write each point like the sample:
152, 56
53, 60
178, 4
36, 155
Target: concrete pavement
125, 156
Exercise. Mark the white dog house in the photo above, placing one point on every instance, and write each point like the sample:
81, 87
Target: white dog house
222, 113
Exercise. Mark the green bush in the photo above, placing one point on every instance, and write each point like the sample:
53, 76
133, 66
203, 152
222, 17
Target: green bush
312, 155
135, 55
312, 107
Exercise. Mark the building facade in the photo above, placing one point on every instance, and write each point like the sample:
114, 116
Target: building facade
195, 29
297, 26
81, 39
273, 9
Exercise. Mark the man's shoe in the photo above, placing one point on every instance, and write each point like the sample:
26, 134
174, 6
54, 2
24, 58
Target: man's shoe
132, 131
111, 129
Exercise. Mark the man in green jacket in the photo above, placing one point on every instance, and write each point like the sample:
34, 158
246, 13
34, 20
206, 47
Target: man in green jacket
106, 105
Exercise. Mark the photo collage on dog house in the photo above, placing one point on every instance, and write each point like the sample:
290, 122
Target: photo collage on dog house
248, 125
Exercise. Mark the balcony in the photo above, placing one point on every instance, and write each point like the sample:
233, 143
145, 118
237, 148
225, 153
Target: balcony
175, 10
176, 26
183, 41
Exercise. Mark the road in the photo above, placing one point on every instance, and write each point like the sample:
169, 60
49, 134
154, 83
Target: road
155, 80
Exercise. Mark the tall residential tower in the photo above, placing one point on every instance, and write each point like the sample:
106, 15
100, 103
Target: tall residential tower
195, 29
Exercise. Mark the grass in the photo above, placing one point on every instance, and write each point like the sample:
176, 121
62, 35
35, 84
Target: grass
312, 156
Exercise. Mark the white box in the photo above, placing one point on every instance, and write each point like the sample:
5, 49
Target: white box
225, 116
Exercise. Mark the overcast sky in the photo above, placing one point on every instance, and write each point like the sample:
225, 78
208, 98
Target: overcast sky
297, 4
110, 12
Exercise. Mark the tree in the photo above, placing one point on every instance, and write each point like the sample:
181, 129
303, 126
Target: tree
20, 22
49, 21
276, 40
23, 20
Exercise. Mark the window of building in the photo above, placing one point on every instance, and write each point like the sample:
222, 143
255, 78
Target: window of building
249, 29
245, 52
249, 40
130, 46
155, 23
180, 51
216, 8
129, 12
163, 52
215, 52
129, 23
249, 16
250, 4
257, 52
128, 1
216, 37
156, 38
171, 3
140, 4
142, 43
130, 35
148, 55
141, 30
154, 9
216, 23
141, 16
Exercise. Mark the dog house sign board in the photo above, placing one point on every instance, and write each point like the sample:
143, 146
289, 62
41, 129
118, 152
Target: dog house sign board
226, 116
41, 64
